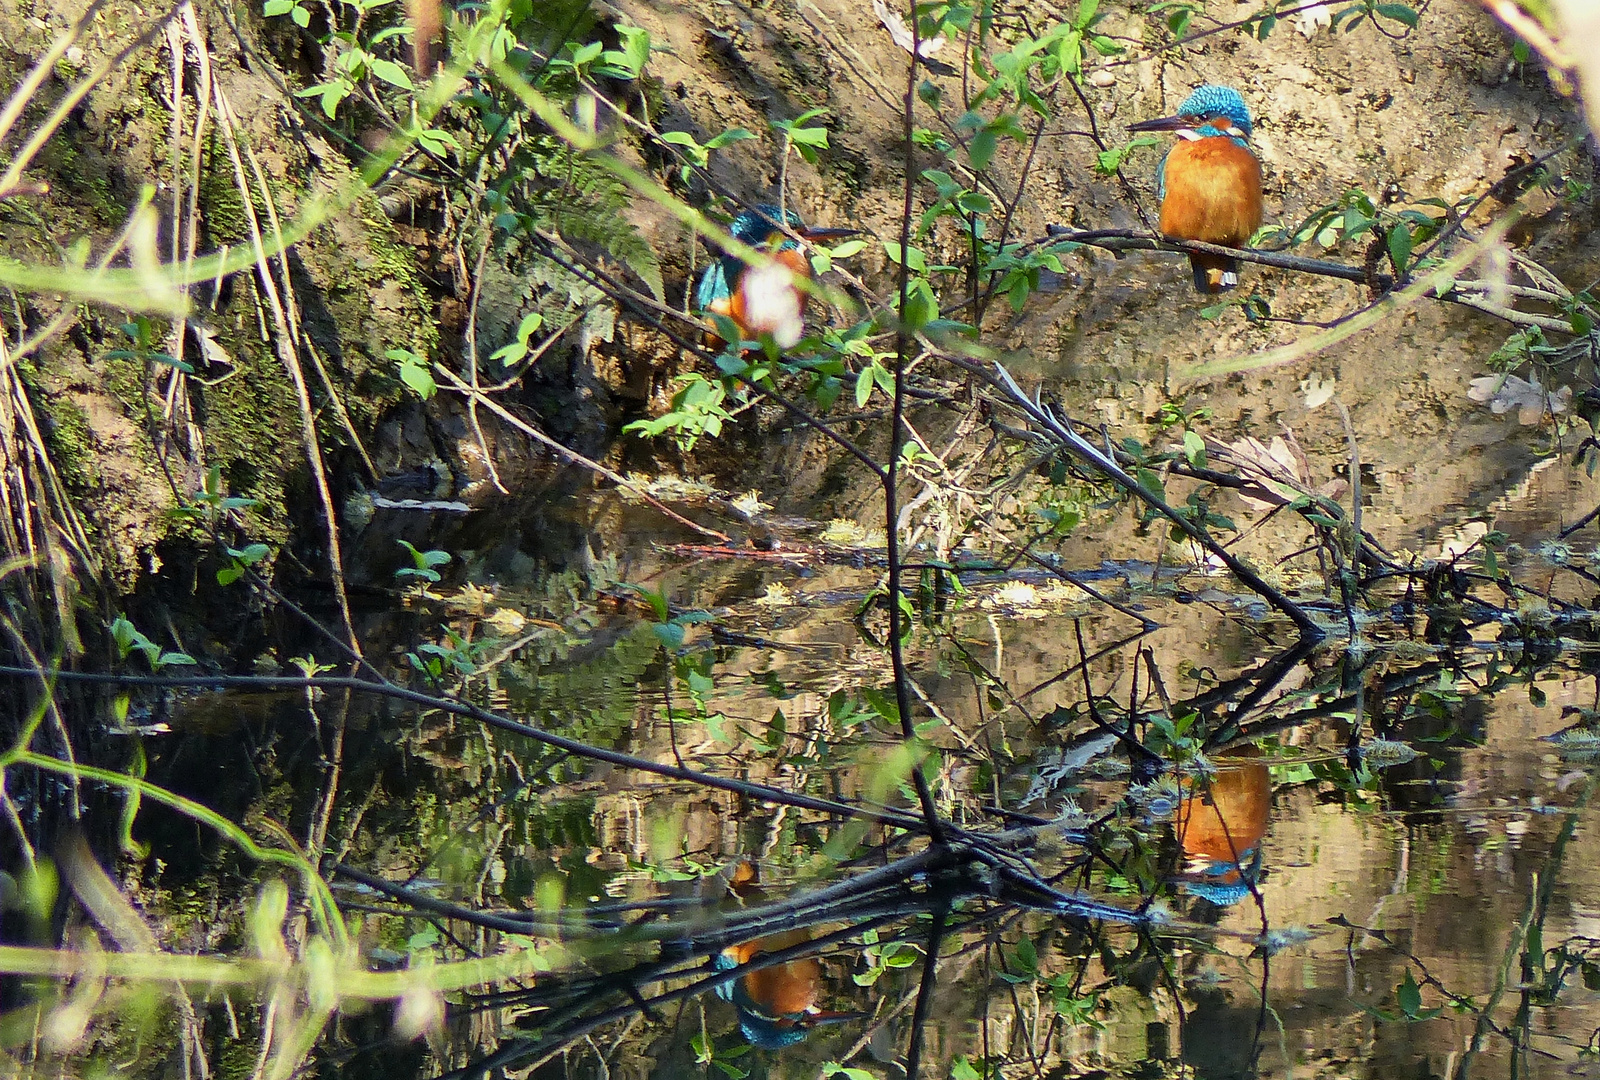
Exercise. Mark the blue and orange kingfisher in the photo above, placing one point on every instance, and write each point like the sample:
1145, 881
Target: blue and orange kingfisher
1210, 183
763, 299
777, 1005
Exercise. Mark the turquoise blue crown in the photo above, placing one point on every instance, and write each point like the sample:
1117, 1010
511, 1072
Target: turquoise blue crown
1213, 100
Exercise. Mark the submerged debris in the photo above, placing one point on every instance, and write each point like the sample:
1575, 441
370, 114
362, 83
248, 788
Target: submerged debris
1532, 401
1384, 753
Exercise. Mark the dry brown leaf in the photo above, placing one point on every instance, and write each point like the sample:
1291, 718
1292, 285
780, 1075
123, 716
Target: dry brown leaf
901, 33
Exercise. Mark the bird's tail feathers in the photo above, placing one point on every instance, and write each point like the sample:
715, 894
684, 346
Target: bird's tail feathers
1214, 273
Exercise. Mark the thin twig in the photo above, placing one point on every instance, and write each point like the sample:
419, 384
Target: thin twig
891, 472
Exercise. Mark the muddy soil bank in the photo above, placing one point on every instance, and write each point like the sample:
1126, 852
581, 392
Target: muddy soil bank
1440, 112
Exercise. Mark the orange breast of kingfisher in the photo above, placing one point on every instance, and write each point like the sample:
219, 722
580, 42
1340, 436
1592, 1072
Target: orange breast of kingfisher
1213, 192
1224, 820
784, 989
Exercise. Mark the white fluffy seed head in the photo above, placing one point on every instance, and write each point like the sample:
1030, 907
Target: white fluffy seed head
772, 304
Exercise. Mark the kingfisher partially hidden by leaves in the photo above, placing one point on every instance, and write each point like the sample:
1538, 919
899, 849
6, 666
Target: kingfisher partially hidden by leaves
763, 299
777, 1005
1210, 183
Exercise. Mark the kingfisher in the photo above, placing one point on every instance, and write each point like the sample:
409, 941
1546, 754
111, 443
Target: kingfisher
763, 299
1210, 183
777, 1005
1220, 825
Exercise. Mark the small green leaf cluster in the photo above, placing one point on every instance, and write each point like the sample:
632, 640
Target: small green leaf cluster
1374, 10
129, 640
422, 564
698, 409
1149, 468
587, 60
707, 1053
456, 656
1408, 996
1072, 1004
141, 334
698, 155
802, 136
1109, 162
881, 957
692, 667
358, 60
1357, 214
1254, 307
212, 508
1178, 14
414, 372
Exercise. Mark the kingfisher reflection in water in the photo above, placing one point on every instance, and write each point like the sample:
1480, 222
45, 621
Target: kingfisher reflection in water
1220, 823
777, 1005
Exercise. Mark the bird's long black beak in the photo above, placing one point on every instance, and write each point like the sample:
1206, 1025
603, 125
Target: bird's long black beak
827, 1016
1164, 123
827, 234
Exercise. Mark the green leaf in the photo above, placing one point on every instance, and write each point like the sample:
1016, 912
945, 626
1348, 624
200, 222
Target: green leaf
721, 139
657, 602
391, 73
1409, 996
922, 307
333, 92
974, 202
252, 554
302, 19
981, 151
1399, 13
276, 7
916, 261
864, 384
1400, 247
414, 372
437, 142
816, 136
727, 329
961, 1069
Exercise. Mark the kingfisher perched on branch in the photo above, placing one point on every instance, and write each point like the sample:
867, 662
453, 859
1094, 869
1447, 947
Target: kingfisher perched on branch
764, 299
1210, 183
777, 1005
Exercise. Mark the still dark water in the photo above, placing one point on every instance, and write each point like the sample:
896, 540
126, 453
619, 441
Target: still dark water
1417, 895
